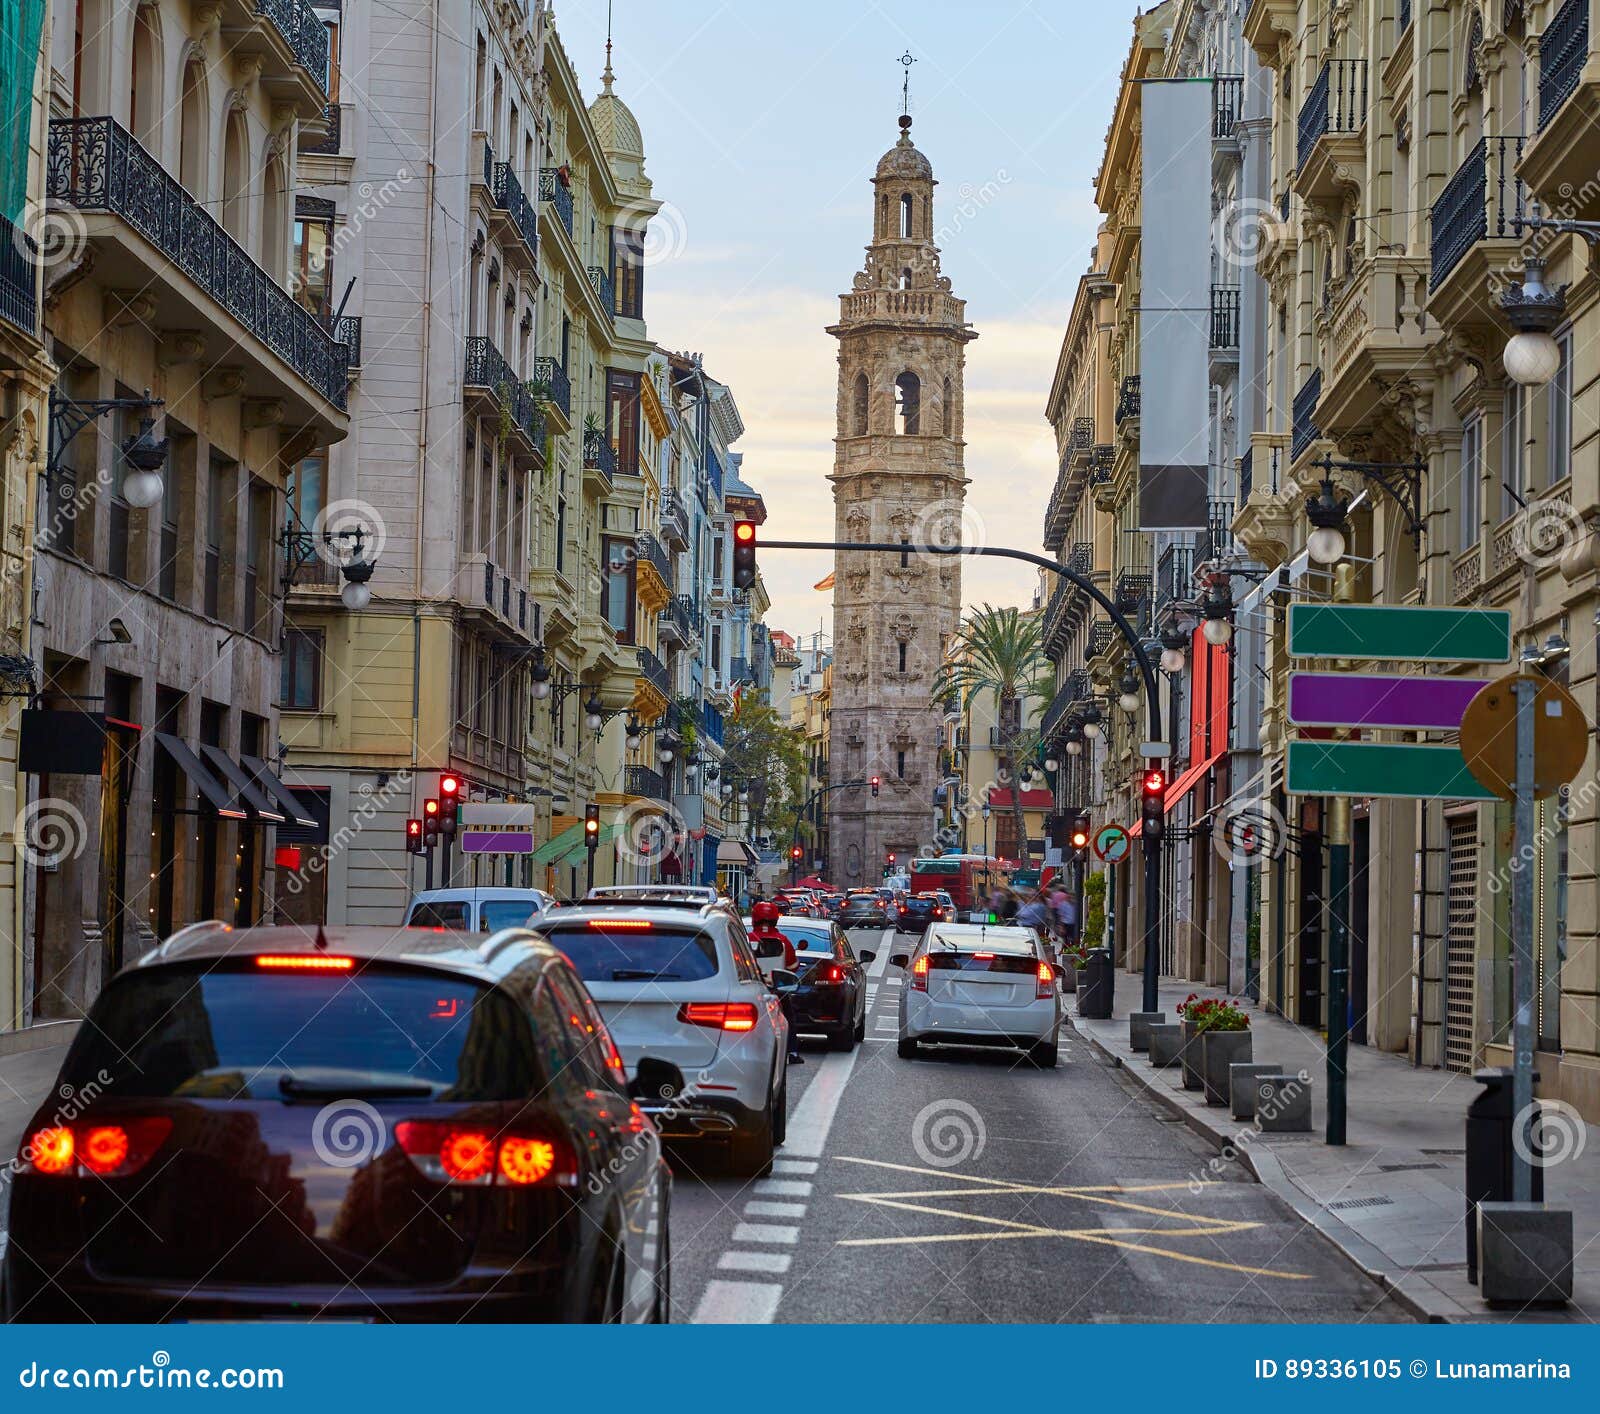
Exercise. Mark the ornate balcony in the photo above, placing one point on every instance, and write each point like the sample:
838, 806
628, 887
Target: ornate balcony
519, 230
604, 290
675, 624
653, 671
1217, 541
599, 458
1175, 575
1268, 519
558, 193
1304, 415
1328, 133
1227, 106
674, 520
645, 782
1372, 338
328, 143
1474, 237
558, 396
347, 330
187, 274
1224, 341
1074, 688
490, 377
655, 569
1561, 154
19, 271
291, 44
1102, 633
1127, 399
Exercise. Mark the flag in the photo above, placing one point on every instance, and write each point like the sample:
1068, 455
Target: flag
824, 583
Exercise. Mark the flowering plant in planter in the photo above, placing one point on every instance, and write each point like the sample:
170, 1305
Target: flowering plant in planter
1213, 1014
1075, 955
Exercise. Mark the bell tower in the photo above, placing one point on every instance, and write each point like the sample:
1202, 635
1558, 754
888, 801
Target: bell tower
898, 474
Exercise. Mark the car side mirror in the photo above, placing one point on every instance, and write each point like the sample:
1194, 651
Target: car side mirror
655, 1079
865, 957
899, 959
769, 947
782, 980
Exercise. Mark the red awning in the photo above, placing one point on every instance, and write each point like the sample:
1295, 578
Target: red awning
1181, 787
1038, 799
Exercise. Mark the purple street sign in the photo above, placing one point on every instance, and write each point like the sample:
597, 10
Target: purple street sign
497, 842
1380, 700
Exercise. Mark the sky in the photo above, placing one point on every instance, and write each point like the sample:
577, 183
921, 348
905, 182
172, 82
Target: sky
762, 125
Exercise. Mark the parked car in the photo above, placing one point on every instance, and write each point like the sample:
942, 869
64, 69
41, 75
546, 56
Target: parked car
864, 908
971, 984
831, 995
354, 1124
483, 909
683, 985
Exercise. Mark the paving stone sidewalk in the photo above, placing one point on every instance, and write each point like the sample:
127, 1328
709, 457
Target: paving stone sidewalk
1392, 1196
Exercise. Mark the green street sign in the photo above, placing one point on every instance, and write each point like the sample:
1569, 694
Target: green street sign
1399, 632
1393, 770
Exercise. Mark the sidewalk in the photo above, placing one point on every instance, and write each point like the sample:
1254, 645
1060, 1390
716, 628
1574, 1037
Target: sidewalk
1391, 1197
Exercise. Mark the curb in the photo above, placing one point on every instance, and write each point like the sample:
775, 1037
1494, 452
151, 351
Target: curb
1432, 1307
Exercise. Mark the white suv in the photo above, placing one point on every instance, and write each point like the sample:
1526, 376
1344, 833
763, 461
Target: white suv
681, 984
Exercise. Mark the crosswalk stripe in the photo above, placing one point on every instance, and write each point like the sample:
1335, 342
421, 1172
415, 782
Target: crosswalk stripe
794, 1165
775, 1262
783, 1187
757, 1209
782, 1234
738, 1303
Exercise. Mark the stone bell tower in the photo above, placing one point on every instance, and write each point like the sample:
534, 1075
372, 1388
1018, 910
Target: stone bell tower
897, 475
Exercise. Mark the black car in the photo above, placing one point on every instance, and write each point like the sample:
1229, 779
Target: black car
375, 1124
863, 908
831, 997
917, 911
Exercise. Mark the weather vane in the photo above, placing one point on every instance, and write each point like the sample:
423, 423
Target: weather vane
907, 60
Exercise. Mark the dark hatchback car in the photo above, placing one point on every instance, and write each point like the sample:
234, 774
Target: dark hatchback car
863, 908
831, 997
380, 1124
917, 911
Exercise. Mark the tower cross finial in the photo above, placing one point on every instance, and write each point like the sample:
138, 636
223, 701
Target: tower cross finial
607, 76
907, 60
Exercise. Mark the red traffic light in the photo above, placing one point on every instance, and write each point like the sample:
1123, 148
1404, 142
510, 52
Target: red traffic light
796, 852
413, 829
1155, 782
1080, 837
449, 785
891, 856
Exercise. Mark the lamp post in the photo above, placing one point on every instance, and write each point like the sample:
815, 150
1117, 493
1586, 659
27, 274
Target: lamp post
983, 810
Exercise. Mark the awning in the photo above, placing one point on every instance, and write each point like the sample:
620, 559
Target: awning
233, 773
1036, 799
1181, 787
277, 792
570, 845
219, 796
736, 852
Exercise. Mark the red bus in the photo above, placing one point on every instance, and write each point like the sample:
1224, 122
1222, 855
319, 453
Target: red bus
967, 878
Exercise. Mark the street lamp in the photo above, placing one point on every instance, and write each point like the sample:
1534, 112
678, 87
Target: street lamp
664, 751
635, 732
1327, 514
1532, 356
1217, 613
1093, 722
1074, 740
142, 487
1128, 692
1051, 764
594, 711
1173, 642
983, 810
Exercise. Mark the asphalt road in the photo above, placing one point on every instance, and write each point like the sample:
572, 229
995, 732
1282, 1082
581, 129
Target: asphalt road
969, 1186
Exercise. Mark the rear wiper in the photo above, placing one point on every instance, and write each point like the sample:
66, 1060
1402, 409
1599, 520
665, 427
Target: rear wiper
301, 1087
644, 974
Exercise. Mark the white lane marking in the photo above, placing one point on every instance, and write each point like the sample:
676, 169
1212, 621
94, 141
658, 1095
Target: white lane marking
783, 1187
812, 1117
758, 1209
779, 1234
775, 1262
738, 1303
794, 1166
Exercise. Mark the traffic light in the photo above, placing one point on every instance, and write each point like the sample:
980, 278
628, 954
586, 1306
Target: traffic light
414, 835
430, 821
891, 859
796, 853
875, 783
1153, 802
591, 825
449, 802
744, 553
1079, 834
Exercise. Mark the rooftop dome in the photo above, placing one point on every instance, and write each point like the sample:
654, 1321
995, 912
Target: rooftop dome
614, 123
903, 160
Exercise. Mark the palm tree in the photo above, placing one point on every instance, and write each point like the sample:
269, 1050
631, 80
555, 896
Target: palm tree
1001, 652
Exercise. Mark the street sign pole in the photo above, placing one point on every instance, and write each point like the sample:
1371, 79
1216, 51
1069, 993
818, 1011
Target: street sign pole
1522, 939
427, 855
593, 842
1338, 963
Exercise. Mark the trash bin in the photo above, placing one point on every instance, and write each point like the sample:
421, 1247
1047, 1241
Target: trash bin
1489, 1152
1096, 981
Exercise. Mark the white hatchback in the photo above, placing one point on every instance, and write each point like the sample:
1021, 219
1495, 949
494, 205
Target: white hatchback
975, 984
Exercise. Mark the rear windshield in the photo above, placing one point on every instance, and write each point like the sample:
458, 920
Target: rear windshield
981, 962
807, 939
452, 914
605, 954
240, 1035
505, 913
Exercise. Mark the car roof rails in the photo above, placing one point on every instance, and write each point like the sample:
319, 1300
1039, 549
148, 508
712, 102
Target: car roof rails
191, 931
498, 941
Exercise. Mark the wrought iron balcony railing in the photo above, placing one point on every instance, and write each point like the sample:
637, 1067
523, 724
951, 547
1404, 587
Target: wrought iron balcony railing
1246, 473
1175, 575
598, 453
19, 266
674, 620
303, 32
600, 278
510, 198
673, 518
1224, 316
739, 670
554, 377
1100, 464
95, 164
1563, 47
1227, 104
1485, 198
653, 671
1337, 103
1074, 689
1082, 439
1081, 560
713, 724
1305, 430
1217, 543
653, 553
1128, 398
329, 144
1101, 634
647, 782
487, 368
347, 330
694, 616
558, 193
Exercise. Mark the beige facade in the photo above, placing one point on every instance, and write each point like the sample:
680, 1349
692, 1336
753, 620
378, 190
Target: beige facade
898, 474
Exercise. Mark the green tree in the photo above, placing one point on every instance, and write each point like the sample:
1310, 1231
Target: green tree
767, 757
999, 652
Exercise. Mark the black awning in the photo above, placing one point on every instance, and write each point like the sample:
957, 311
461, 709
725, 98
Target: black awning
278, 792
234, 774
220, 797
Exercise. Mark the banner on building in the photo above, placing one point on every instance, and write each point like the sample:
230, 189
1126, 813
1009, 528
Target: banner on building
1174, 304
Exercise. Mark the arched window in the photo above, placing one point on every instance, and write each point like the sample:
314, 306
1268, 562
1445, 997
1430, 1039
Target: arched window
859, 416
905, 214
905, 278
907, 404
883, 213
192, 151
236, 178
947, 413
144, 95
274, 218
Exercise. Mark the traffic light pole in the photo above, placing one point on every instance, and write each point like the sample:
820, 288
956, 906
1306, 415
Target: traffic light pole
1154, 746
802, 812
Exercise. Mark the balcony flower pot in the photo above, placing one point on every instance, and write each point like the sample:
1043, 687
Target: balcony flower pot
1218, 1051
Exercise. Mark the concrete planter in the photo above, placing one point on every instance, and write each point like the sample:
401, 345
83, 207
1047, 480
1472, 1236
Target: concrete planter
1166, 1043
1069, 977
1242, 1085
1190, 1055
1139, 1024
1219, 1050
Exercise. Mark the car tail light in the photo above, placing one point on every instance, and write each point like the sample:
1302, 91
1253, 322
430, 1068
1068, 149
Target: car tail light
904, 909
466, 1156
725, 1016
1047, 980
100, 1150
919, 974
304, 962
831, 973
986, 956
633, 925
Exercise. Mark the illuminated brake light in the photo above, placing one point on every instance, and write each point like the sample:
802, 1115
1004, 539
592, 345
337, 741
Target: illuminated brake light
834, 973
919, 974
986, 956
475, 1158
467, 1156
1047, 980
51, 1149
100, 1150
304, 962
725, 1016
526, 1160
636, 925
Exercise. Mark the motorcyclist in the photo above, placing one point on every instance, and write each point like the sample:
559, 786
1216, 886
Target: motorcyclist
764, 928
